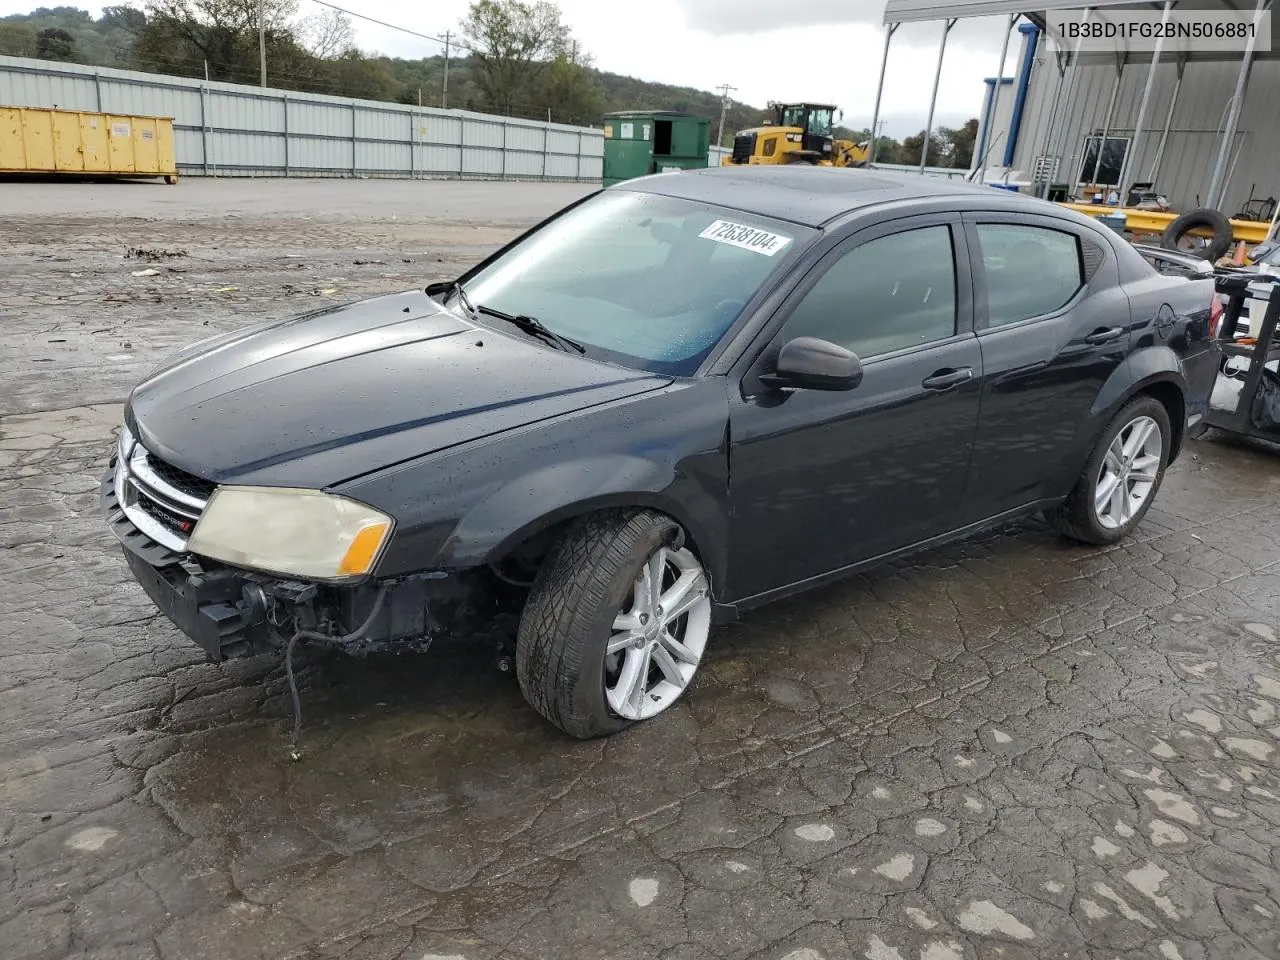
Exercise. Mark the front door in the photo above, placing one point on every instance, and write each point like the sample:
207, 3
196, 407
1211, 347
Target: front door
822, 480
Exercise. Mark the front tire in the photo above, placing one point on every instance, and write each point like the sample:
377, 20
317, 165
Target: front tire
1121, 477
615, 625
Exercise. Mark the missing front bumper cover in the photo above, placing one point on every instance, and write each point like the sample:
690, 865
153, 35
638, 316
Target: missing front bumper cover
230, 612
233, 613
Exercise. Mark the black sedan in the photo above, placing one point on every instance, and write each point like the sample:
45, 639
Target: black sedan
679, 398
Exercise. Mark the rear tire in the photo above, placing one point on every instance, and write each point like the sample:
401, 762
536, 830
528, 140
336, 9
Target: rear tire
1121, 477
596, 650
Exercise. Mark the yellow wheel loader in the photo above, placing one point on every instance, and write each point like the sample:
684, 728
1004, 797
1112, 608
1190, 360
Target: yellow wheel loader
799, 133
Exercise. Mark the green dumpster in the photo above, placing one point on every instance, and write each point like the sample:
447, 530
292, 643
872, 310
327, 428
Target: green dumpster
640, 142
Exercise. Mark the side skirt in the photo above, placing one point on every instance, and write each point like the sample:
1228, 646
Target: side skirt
730, 611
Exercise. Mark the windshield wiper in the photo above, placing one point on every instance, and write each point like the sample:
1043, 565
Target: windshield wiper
530, 325
534, 327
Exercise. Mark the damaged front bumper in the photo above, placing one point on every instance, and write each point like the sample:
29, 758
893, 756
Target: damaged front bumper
231, 612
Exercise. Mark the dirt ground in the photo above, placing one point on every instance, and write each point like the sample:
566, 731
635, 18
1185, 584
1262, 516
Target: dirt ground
1008, 748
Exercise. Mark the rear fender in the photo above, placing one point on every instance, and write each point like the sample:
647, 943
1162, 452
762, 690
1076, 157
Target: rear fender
1143, 367
1142, 371
545, 497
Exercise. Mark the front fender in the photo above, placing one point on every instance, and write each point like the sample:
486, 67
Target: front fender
554, 493
464, 508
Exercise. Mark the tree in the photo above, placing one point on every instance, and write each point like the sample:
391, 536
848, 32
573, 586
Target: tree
18, 40
512, 44
354, 75
122, 18
889, 150
909, 153
328, 34
55, 44
182, 35
567, 92
960, 144
119, 29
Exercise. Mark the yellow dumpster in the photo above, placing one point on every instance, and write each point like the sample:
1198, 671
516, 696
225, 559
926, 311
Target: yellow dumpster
36, 140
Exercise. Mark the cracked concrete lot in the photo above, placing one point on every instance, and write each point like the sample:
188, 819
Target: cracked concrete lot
1009, 748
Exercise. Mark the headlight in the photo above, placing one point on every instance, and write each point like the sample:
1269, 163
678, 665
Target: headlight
124, 446
300, 533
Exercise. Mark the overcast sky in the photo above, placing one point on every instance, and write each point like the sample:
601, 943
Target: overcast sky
824, 50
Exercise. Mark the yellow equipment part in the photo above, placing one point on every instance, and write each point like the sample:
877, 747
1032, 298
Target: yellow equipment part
799, 133
1155, 221
37, 140
783, 145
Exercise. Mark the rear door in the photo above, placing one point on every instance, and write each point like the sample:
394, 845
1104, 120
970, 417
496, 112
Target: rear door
1053, 324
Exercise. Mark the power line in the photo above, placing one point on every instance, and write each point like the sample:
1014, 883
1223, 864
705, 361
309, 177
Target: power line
391, 26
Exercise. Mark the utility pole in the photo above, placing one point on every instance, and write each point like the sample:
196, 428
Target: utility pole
262, 43
724, 106
444, 93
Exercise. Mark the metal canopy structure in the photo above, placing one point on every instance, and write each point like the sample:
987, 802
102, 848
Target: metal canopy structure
947, 12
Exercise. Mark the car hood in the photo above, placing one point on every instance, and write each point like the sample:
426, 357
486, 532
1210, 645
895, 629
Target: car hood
323, 398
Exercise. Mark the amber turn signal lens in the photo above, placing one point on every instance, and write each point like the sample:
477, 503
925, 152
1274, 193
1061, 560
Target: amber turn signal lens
364, 548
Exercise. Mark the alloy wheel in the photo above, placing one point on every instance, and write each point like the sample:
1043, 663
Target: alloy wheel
1128, 473
659, 635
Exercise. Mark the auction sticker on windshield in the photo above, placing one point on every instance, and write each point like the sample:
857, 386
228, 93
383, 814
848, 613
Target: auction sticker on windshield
748, 238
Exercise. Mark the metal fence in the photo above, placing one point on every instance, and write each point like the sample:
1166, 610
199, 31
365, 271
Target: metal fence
945, 173
225, 129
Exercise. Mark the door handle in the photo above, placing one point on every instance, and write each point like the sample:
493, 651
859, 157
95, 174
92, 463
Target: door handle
1104, 335
948, 378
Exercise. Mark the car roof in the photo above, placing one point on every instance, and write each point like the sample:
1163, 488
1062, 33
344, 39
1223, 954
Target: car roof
812, 195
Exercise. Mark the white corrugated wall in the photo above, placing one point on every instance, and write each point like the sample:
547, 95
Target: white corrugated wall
1195, 131
229, 129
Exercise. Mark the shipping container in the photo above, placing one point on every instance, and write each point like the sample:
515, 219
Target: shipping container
37, 140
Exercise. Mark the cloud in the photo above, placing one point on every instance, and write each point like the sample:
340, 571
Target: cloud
726, 17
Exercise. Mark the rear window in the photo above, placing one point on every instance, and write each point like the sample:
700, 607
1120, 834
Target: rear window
1031, 271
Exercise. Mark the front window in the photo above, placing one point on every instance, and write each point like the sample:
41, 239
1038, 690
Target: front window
640, 280
888, 294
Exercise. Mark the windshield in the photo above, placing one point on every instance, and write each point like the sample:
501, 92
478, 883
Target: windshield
645, 281
793, 116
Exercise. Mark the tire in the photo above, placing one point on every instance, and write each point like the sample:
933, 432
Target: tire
1214, 220
1079, 516
588, 597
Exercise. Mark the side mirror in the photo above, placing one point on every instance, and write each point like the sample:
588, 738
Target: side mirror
807, 363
